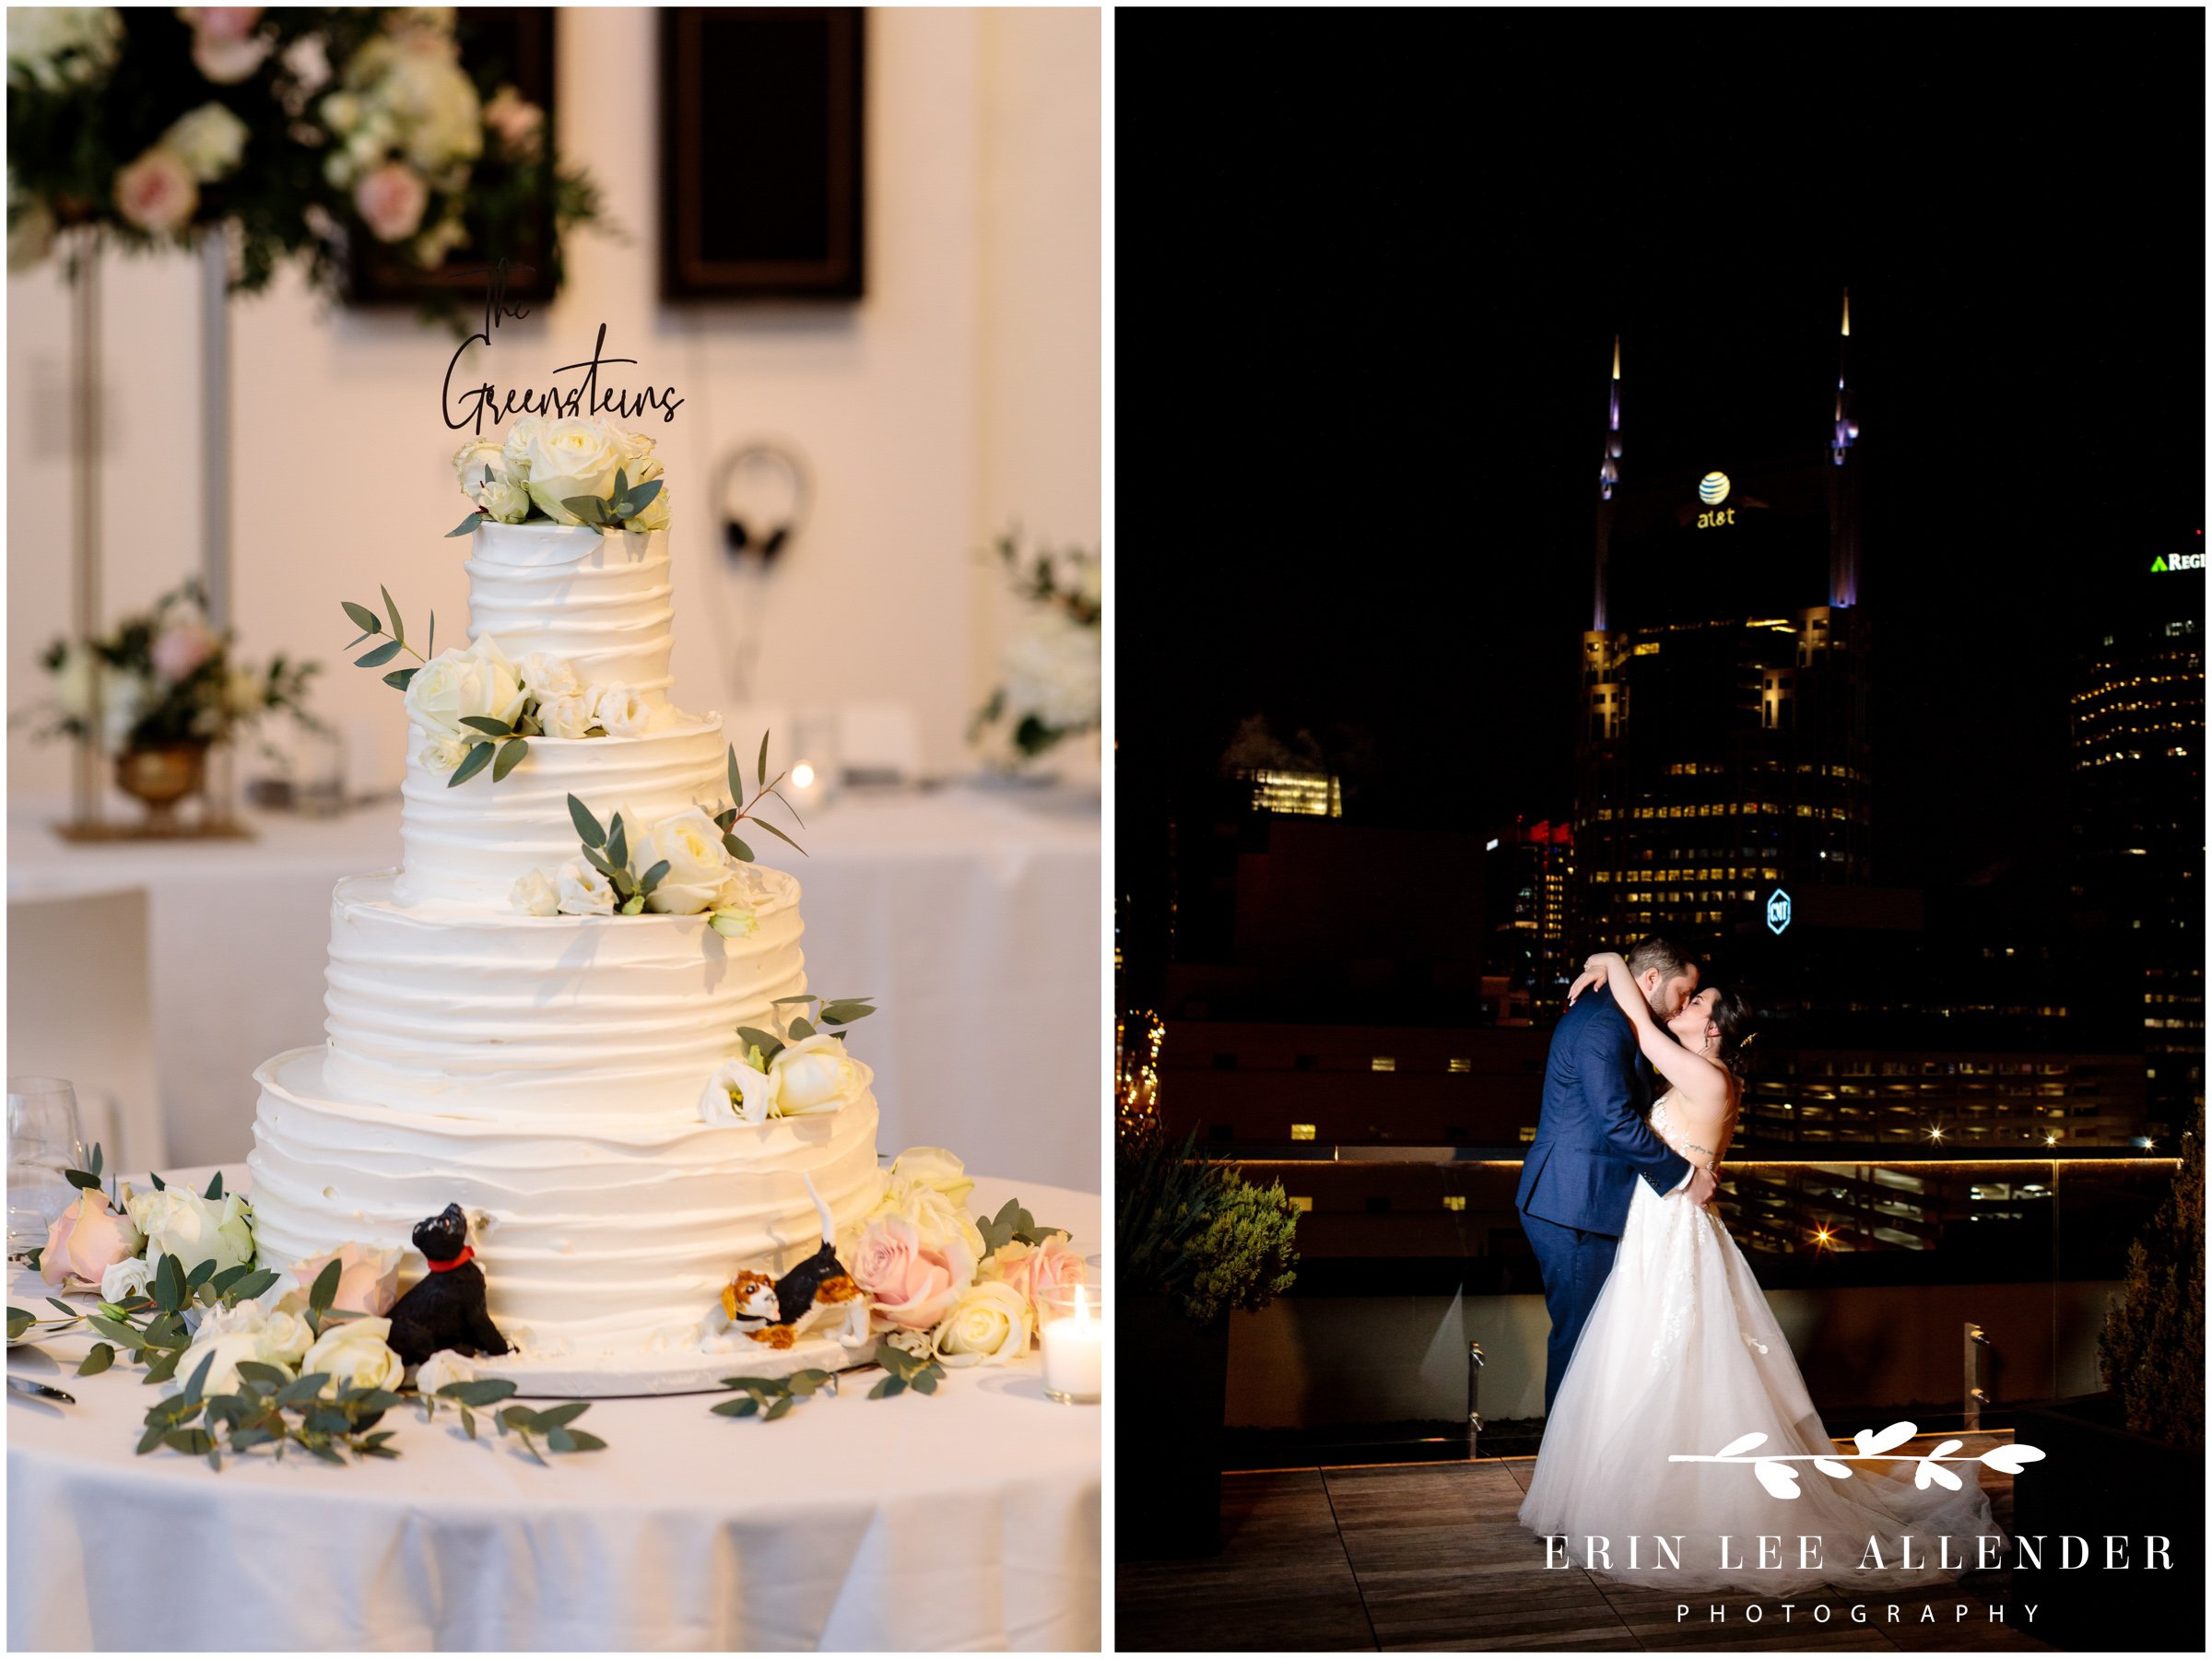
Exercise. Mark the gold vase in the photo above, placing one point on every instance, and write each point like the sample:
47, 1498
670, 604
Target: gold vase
160, 777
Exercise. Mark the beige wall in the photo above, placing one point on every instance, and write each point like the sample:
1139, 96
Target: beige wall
961, 395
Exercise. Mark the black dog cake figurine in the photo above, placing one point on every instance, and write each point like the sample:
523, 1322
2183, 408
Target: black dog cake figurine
446, 1309
818, 1292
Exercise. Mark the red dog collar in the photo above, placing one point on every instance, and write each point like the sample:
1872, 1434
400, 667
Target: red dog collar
467, 1251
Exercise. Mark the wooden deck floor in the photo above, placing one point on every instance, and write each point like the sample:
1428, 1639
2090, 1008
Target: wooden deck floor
1404, 1555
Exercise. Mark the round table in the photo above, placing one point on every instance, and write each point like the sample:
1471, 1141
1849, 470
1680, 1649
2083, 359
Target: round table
966, 1519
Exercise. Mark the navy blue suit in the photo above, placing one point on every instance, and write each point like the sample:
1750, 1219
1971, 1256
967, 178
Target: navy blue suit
1592, 1144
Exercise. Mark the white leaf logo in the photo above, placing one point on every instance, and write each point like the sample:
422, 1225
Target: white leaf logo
1873, 1445
1745, 1445
1779, 1478
1828, 1465
2009, 1459
1929, 1470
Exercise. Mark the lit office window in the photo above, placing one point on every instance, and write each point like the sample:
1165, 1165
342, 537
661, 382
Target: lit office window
1455, 1201
1301, 1132
1383, 1063
1304, 1206
1459, 1066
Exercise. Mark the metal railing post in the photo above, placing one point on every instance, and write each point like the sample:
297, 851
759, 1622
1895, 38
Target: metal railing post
1475, 1363
1977, 1396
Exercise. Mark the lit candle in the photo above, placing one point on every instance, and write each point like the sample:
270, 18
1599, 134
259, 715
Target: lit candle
1073, 1335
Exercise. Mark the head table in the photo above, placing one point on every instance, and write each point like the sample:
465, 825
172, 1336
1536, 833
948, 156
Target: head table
966, 1519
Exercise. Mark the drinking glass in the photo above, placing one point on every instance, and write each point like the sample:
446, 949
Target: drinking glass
44, 1138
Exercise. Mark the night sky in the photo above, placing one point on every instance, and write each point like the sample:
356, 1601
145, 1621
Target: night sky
1370, 267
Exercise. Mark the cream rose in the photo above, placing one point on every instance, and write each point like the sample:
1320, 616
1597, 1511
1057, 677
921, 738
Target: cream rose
473, 458
229, 1341
571, 717
194, 1229
517, 447
367, 1281
583, 890
697, 862
736, 1093
655, 517
910, 1285
815, 1074
477, 680
623, 712
356, 1354
134, 1275
990, 1323
535, 894
547, 677
442, 754
442, 1368
85, 1240
209, 140
569, 458
506, 499
285, 1338
927, 1187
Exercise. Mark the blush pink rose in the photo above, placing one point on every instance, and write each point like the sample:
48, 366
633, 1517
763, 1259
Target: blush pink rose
391, 201
224, 46
157, 192
911, 1286
1036, 1270
181, 648
368, 1280
85, 1240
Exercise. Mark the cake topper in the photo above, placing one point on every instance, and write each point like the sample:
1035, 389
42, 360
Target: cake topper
816, 1294
446, 1307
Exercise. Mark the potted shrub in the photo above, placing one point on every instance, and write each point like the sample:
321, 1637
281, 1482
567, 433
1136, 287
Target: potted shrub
1193, 1240
2130, 1462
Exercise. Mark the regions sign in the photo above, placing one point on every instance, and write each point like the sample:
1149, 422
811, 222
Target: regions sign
2177, 561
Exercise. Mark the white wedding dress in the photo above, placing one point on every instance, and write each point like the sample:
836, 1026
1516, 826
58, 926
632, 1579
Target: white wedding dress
1681, 1354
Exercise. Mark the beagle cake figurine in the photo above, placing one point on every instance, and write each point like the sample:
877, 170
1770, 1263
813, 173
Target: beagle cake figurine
813, 1297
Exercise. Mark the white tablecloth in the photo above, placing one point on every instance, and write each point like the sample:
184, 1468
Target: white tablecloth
972, 916
967, 1519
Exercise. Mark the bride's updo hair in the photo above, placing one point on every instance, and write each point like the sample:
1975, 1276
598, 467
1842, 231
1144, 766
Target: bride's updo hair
1731, 1012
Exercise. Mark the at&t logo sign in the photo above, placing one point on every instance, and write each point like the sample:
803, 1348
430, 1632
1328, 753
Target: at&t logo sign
1712, 490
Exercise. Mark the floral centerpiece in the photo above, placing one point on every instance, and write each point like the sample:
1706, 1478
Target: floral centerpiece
306, 127
575, 471
1052, 685
158, 690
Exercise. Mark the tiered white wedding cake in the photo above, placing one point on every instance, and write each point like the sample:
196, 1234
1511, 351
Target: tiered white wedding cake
544, 1069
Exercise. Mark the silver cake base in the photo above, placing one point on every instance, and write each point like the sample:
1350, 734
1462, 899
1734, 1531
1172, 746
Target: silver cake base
563, 1377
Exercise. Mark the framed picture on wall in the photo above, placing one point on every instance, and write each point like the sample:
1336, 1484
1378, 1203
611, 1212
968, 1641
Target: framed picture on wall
501, 46
761, 153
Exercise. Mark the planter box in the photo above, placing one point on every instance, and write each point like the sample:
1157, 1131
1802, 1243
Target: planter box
1171, 1395
2097, 1480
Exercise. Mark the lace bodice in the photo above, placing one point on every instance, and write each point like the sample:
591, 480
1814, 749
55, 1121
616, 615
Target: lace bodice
1663, 1126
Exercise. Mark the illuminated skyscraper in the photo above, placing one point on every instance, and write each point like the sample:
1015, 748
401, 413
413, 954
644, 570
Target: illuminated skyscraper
1527, 870
1724, 753
2137, 722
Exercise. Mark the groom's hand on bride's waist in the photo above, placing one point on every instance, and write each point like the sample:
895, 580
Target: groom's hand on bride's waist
1702, 1185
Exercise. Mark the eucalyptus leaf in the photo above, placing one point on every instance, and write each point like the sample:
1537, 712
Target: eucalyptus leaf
467, 525
325, 1289
889, 1386
258, 1370
487, 722
378, 657
199, 1380
474, 761
20, 1320
617, 840
737, 849
430, 647
367, 620
579, 1440
736, 782
98, 1361
638, 498
228, 1277
159, 1185
586, 825
745, 1405
555, 1416
200, 1275
97, 1155
765, 1041
801, 1029
84, 1181
215, 1187
653, 878
254, 1284
511, 754
779, 1409
162, 1369
779, 834
400, 678
168, 1285
398, 629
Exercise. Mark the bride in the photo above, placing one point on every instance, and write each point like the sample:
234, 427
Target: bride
1681, 1354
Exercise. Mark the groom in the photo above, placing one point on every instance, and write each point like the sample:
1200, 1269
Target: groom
1592, 1144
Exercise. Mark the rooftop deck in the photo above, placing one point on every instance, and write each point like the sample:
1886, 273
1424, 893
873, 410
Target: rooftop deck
1401, 1556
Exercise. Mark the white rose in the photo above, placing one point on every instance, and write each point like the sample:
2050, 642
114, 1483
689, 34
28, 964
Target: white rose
697, 865
443, 1367
990, 1323
479, 681
927, 1187
655, 517
568, 458
209, 140
548, 677
624, 712
134, 1275
228, 1349
357, 1355
736, 1093
285, 1337
935, 1168
506, 499
194, 1229
583, 890
535, 894
815, 1074
1053, 672
571, 717
636, 449
519, 437
473, 458
442, 754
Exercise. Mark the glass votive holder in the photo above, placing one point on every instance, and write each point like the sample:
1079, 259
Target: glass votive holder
1072, 1333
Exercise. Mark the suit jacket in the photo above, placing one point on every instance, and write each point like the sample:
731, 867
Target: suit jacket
1592, 1142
